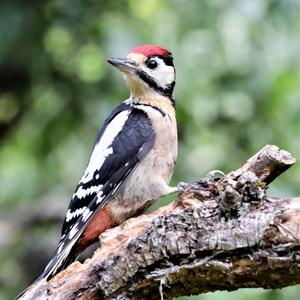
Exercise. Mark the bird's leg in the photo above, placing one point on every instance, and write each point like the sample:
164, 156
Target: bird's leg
211, 177
169, 190
181, 186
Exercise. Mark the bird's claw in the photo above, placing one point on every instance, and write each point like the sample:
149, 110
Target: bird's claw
211, 177
182, 186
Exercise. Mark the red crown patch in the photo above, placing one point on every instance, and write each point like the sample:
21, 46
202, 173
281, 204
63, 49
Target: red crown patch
149, 50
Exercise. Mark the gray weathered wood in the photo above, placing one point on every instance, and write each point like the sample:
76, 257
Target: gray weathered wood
215, 236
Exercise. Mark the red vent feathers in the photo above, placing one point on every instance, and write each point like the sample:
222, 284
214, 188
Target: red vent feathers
149, 50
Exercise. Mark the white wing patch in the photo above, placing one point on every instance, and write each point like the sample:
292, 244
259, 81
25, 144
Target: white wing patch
96, 161
70, 215
82, 193
86, 214
73, 231
102, 148
100, 197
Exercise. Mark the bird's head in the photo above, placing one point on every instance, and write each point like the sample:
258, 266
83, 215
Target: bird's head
148, 70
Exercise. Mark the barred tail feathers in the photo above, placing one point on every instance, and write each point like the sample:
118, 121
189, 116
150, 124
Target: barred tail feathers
60, 260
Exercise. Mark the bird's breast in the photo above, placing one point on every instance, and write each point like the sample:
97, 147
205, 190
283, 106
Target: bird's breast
150, 179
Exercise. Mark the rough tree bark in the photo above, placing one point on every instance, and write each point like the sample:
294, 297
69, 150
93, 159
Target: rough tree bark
217, 235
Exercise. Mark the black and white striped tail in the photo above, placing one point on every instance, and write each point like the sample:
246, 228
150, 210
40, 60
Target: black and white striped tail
59, 261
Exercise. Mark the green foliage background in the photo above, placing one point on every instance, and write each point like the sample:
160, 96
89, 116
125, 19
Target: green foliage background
237, 90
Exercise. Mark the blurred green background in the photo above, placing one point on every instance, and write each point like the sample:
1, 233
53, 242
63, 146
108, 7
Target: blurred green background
237, 89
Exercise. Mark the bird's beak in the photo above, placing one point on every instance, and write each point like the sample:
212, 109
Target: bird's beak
122, 64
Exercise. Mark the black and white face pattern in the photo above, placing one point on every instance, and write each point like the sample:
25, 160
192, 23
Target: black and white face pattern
156, 72
159, 73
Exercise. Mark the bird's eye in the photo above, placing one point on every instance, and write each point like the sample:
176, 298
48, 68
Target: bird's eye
152, 64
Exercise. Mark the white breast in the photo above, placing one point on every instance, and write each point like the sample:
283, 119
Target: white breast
149, 181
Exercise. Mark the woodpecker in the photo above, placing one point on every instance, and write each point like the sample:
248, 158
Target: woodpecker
133, 158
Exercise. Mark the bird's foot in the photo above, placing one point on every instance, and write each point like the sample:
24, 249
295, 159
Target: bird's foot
182, 186
211, 177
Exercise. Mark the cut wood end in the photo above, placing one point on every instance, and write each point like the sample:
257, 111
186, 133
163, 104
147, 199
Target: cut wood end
266, 164
279, 155
287, 158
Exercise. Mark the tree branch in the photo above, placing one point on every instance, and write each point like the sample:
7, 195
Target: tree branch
220, 235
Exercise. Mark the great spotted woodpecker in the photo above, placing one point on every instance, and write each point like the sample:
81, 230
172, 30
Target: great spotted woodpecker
133, 158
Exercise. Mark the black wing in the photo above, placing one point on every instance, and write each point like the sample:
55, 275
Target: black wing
136, 131
132, 142
86, 190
